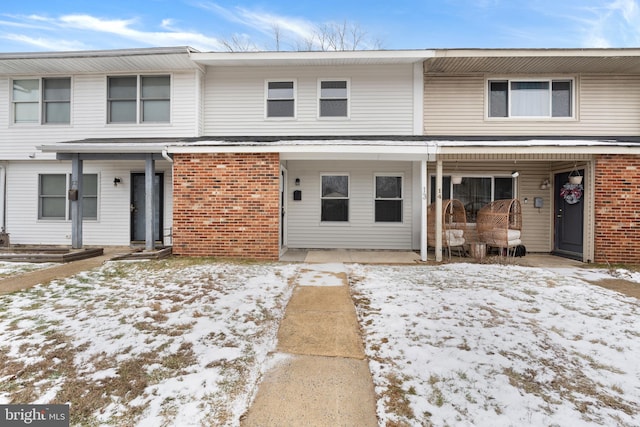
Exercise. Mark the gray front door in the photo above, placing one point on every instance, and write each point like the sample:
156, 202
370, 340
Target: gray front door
138, 207
569, 218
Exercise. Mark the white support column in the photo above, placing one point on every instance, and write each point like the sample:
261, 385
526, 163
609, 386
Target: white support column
438, 248
76, 201
423, 211
149, 202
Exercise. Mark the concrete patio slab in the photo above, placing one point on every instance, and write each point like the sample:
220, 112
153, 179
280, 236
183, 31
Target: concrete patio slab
362, 257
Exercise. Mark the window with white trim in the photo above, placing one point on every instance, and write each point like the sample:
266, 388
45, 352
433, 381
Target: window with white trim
388, 198
52, 196
139, 99
475, 191
334, 198
281, 99
334, 98
550, 98
51, 105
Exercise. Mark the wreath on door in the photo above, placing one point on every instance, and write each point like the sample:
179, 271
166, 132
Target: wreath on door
572, 193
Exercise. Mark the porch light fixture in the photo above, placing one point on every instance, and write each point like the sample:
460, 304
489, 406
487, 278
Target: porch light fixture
515, 174
545, 184
297, 182
116, 181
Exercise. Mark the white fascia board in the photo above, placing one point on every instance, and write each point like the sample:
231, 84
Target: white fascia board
311, 57
537, 147
319, 150
103, 148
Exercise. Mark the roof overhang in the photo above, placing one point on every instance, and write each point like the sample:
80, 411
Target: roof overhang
98, 61
358, 148
312, 58
533, 61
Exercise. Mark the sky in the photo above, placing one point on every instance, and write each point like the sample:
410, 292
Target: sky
210, 25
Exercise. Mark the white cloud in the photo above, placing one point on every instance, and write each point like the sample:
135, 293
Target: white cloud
46, 43
91, 27
613, 24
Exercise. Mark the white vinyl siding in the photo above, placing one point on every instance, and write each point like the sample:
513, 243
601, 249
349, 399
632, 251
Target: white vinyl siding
604, 105
89, 117
306, 230
380, 101
113, 204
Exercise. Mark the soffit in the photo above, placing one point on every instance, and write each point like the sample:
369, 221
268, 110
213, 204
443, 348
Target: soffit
113, 61
536, 62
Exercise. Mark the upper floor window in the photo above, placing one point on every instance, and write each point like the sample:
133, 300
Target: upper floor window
51, 104
139, 99
334, 98
281, 99
531, 98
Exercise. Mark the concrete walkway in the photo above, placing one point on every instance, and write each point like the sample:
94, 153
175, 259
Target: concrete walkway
33, 278
322, 377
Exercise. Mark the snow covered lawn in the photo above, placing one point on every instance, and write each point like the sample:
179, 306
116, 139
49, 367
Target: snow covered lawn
8, 269
491, 345
183, 342
179, 342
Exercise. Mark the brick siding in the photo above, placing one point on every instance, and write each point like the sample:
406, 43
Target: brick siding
617, 209
227, 205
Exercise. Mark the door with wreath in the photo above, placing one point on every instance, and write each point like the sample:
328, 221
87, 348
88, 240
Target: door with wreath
569, 215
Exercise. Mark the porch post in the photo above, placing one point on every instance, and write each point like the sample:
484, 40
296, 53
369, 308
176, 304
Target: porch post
149, 202
438, 248
76, 201
423, 211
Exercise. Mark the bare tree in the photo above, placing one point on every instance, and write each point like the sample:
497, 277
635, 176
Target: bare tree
331, 36
277, 35
339, 36
239, 43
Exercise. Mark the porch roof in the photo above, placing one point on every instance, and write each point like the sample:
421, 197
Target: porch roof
403, 147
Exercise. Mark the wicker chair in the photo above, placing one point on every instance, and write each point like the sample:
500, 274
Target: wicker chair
454, 222
500, 224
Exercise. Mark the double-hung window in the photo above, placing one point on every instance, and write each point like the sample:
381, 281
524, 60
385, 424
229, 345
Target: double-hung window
281, 99
139, 99
52, 196
46, 100
388, 198
549, 98
334, 98
334, 198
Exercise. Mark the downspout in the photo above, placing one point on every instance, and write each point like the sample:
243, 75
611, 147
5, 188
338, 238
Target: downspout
165, 155
3, 198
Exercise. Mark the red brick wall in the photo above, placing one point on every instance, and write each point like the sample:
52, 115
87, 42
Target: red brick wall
226, 205
617, 209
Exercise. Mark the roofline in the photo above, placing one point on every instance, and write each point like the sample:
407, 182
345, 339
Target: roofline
535, 52
175, 50
220, 58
